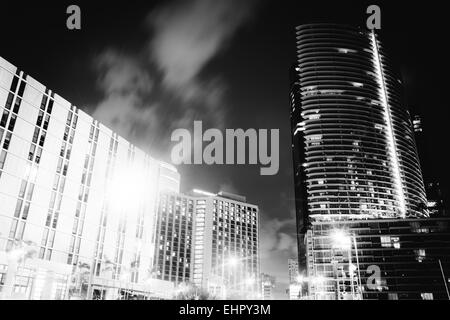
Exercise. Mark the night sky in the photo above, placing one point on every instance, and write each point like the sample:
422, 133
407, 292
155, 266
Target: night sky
145, 68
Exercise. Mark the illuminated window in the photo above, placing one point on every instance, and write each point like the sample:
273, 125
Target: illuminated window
427, 296
346, 50
385, 241
396, 242
315, 137
420, 254
314, 117
392, 296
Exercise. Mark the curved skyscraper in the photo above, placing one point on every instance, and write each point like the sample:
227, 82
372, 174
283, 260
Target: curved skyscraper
353, 140
360, 196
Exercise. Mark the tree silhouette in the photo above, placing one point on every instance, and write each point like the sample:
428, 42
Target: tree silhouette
192, 292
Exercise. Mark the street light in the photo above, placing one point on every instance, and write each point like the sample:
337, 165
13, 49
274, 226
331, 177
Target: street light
226, 280
232, 261
343, 241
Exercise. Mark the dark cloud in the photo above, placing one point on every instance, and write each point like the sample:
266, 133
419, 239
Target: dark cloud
183, 37
189, 34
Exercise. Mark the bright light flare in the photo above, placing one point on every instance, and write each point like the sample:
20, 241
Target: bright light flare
204, 193
250, 281
318, 279
128, 189
233, 261
340, 240
16, 254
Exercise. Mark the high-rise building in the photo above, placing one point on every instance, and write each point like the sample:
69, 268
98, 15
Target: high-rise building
356, 166
417, 124
293, 270
295, 288
267, 286
295, 291
352, 128
422, 146
298, 153
86, 214
210, 241
434, 191
436, 205
226, 245
175, 224
78, 202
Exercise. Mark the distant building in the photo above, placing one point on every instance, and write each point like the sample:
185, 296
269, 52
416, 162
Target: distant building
267, 286
358, 180
434, 192
293, 270
435, 199
226, 245
417, 124
353, 139
295, 291
85, 214
209, 240
175, 233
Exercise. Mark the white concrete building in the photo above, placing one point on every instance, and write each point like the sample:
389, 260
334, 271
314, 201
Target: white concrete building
77, 201
226, 245
211, 241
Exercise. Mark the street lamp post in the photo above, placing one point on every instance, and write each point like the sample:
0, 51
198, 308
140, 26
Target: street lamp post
343, 241
357, 264
443, 278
